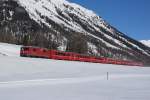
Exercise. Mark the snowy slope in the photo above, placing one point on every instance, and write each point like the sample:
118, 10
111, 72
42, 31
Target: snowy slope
45, 79
9, 49
146, 42
74, 17
49, 8
58, 23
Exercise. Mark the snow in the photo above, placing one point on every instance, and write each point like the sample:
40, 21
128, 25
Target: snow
136, 46
48, 9
92, 47
9, 49
146, 42
115, 40
43, 10
103, 41
44, 79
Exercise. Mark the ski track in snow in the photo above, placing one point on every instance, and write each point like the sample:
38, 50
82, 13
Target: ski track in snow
67, 80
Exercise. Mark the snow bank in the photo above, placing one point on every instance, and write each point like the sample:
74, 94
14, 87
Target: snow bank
9, 49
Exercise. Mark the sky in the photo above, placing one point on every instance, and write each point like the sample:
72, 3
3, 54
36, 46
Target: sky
131, 17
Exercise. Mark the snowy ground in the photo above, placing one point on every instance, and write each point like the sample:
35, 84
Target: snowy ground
44, 79
9, 49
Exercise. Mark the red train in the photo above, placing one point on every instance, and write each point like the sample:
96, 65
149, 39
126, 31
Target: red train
29, 51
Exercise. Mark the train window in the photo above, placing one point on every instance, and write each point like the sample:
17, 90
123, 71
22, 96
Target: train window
44, 50
67, 54
60, 53
22, 48
34, 49
83, 56
25, 49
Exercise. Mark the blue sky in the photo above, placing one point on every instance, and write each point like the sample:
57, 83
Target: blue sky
131, 17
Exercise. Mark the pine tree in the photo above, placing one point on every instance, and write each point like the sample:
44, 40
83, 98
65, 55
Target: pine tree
77, 43
26, 40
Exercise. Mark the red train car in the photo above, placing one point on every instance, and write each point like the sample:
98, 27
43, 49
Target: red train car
28, 51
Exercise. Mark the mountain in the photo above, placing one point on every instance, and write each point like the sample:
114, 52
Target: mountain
66, 26
146, 42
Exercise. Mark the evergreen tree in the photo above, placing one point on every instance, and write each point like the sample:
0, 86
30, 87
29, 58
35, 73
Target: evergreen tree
77, 43
26, 40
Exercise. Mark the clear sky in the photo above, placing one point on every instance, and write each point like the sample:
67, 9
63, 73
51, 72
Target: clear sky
131, 17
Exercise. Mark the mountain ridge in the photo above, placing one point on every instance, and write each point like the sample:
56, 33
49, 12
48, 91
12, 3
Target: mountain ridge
146, 42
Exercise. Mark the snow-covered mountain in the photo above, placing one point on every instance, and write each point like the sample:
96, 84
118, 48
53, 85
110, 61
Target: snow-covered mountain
146, 42
60, 24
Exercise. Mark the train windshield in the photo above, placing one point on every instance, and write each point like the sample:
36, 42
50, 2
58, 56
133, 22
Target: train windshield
25, 48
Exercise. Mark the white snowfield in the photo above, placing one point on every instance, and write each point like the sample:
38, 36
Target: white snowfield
45, 79
9, 49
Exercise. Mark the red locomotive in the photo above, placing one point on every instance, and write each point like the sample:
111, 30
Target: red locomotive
29, 51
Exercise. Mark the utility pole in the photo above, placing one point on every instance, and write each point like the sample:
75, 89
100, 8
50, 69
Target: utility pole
107, 75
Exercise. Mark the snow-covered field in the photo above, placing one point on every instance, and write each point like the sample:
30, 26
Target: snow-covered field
9, 49
44, 79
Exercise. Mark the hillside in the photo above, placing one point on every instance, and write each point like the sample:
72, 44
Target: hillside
66, 26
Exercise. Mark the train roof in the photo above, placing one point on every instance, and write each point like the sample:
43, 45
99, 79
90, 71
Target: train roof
33, 47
